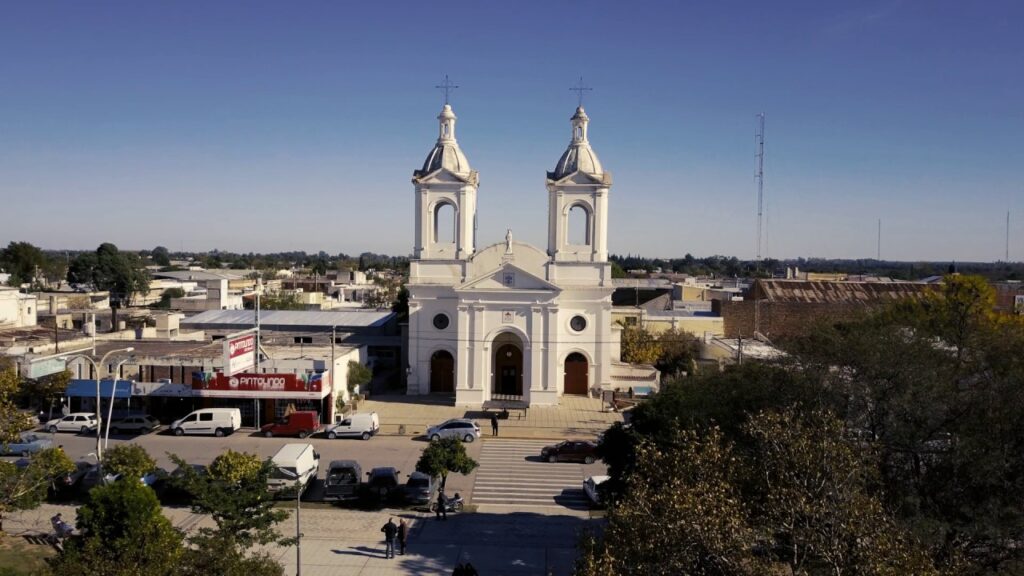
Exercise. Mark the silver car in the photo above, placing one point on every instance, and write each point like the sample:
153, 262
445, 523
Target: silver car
461, 428
28, 443
83, 422
143, 424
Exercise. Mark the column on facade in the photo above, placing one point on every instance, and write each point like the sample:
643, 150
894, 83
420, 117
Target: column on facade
464, 348
551, 336
540, 349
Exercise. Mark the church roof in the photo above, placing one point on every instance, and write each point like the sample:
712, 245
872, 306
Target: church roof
579, 156
446, 153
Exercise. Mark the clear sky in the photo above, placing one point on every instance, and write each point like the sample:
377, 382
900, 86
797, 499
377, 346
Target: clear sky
270, 126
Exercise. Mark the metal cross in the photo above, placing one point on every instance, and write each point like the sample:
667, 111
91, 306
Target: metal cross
580, 88
447, 86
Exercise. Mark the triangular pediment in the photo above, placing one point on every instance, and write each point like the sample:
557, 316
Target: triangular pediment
579, 178
444, 176
508, 277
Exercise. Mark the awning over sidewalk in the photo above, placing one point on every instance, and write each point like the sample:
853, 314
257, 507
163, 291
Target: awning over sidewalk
87, 388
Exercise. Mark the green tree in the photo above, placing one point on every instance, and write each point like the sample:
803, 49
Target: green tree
25, 488
638, 346
23, 261
167, 296
130, 461
281, 301
679, 352
215, 554
682, 514
12, 420
125, 533
161, 256
234, 492
444, 456
46, 391
358, 376
120, 273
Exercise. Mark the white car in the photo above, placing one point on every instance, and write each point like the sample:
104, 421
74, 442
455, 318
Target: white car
83, 422
461, 428
590, 487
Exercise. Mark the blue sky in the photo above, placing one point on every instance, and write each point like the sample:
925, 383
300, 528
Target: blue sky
267, 126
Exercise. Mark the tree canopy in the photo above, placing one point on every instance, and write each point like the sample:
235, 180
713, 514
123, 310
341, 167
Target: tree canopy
108, 269
444, 456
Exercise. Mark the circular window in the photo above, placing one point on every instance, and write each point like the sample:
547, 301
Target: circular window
441, 321
578, 323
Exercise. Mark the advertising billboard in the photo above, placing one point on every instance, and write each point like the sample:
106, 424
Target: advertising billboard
218, 385
239, 352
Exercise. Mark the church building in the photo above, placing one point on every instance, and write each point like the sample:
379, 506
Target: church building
510, 321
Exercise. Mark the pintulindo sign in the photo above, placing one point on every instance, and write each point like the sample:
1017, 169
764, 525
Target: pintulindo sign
239, 352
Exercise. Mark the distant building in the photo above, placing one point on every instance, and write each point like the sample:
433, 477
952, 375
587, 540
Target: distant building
17, 310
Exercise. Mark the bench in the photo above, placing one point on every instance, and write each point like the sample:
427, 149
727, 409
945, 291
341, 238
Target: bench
505, 403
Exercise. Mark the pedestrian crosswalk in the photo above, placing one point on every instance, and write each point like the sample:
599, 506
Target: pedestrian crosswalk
511, 473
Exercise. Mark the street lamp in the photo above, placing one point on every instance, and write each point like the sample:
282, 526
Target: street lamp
113, 393
96, 371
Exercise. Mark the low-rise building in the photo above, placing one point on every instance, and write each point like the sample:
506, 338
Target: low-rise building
17, 310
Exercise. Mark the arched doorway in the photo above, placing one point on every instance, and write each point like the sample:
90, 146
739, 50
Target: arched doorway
577, 380
442, 372
508, 365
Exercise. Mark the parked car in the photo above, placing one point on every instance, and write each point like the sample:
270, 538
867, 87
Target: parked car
343, 480
462, 428
419, 488
590, 486
171, 489
82, 422
583, 451
295, 465
139, 424
216, 421
301, 423
383, 483
363, 426
28, 443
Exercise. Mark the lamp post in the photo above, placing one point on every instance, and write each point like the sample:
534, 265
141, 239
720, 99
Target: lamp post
113, 393
96, 371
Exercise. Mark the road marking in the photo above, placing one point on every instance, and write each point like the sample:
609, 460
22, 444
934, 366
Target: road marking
511, 474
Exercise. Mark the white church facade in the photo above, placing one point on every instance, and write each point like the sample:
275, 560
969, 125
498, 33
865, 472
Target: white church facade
510, 321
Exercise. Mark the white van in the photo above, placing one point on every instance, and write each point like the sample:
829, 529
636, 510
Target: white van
216, 421
363, 425
295, 465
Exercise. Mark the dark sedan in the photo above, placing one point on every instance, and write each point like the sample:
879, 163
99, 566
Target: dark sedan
583, 451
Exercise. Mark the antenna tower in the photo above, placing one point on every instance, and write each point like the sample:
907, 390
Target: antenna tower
879, 255
1007, 235
759, 137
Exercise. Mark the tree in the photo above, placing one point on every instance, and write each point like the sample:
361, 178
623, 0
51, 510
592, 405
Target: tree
638, 346
234, 492
167, 296
47, 391
23, 261
682, 514
281, 301
358, 376
161, 256
12, 420
130, 461
24, 488
214, 554
401, 304
125, 533
120, 273
444, 456
679, 351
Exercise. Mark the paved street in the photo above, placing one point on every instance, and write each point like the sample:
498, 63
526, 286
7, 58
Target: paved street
513, 477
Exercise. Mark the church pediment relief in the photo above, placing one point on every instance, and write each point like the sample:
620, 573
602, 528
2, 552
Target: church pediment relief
508, 277
579, 178
445, 176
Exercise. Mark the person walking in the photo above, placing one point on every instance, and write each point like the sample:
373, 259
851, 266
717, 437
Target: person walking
494, 424
441, 513
403, 536
390, 532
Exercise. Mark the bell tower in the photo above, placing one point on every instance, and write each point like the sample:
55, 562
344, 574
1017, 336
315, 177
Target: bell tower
578, 200
445, 190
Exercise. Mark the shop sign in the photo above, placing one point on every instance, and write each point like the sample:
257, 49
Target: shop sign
259, 385
239, 353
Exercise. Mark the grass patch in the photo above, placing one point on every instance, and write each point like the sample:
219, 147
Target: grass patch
20, 557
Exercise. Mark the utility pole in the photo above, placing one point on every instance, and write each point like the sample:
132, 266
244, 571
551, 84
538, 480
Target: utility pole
1007, 236
879, 254
759, 138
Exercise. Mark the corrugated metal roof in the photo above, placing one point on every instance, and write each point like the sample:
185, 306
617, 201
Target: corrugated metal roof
835, 292
290, 318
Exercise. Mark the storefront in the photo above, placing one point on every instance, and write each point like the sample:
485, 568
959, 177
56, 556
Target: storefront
264, 397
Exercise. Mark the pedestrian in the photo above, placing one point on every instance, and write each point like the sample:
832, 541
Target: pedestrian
441, 513
494, 424
390, 531
469, 570
403, 536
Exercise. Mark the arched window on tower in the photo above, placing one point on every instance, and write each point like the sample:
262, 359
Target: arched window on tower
444, 223
578, 230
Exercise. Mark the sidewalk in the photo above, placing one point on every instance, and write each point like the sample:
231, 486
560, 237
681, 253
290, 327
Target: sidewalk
339, 542
574, 417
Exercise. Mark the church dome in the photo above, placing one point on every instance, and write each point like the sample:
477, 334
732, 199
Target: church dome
446, 152
579, 156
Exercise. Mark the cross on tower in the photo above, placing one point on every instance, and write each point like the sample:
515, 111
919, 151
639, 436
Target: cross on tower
580, 88
447, 86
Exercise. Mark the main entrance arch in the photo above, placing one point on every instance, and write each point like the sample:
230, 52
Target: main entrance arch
442, 372
577, 377
508, 365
